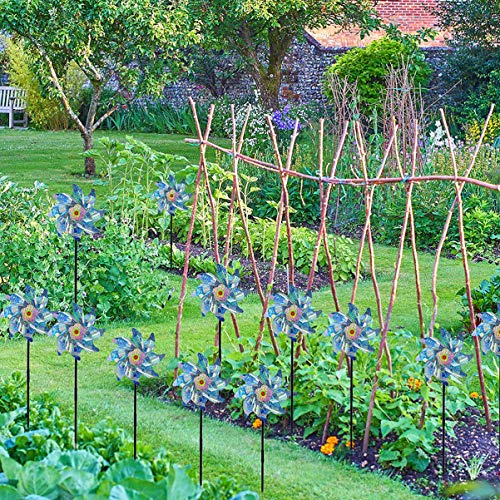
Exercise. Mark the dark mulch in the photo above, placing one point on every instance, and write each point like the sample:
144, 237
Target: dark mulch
472, 440
248, 283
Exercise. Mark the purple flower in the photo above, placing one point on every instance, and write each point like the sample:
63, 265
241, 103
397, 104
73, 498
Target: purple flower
283, 120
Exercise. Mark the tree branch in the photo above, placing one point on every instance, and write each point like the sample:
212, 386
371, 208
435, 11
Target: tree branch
104, 116
57, 83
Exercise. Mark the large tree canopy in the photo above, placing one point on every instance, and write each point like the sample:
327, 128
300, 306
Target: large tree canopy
261, 31
131, 47
474, 27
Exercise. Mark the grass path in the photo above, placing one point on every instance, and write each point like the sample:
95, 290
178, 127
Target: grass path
55, 158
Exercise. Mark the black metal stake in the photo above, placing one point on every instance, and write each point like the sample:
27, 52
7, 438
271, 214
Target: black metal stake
262, 459
135, 421
351, 394
76, 404
75, 274
443, 431
28, 384
201, 446
171, 241
219, 332
291, 385
75, 392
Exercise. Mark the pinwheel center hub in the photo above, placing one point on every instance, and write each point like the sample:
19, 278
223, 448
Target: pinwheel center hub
202, 382
352, 331
77, 213
29, 313
172, 195
221, 293
496, 332
77, 331
136, 357
293, 313
445, 357
264, 393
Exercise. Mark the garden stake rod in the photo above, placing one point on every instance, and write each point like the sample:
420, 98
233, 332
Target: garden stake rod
351, 392
75, 392
443, 430
291, 386
201, 446
28, 384
135, 421
219, 333
171, 244
262, 458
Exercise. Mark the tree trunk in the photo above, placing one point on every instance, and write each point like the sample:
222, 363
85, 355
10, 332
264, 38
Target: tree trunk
88, 144
269, 85
267, 77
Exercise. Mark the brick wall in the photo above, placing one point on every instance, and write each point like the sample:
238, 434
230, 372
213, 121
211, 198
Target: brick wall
410, 15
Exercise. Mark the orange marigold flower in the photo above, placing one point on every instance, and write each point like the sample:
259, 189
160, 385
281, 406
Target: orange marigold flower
332, 440
474, 395
257, 423
349, 444
417, 385
327, 449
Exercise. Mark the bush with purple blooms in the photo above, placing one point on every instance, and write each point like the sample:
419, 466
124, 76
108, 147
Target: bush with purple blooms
283, 119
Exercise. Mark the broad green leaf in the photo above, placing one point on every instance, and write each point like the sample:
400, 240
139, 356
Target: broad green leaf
78, 482
39, 479
126, 469
9, 493
11, 468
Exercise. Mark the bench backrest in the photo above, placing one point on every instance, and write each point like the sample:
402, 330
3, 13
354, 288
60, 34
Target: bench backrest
7, 93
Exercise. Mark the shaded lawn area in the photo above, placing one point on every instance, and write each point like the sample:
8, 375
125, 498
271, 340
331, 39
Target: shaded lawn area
292, 472
55, 158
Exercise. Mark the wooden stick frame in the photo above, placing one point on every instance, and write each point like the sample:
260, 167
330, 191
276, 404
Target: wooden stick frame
283, 170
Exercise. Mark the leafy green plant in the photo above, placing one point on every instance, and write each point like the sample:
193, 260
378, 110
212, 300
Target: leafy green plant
369, 67
485, 297
78, 473
119, 272
42, 462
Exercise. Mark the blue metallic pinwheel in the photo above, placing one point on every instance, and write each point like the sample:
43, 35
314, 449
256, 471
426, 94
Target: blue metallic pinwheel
135, 357
219, 293
27, 313
352, 332
489, 333
171, 195
76, 332
262, 395
443, 359
292, 314
76, 214
200, 382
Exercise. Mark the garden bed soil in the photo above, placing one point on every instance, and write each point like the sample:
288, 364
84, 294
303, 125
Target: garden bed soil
321, 278
471, 440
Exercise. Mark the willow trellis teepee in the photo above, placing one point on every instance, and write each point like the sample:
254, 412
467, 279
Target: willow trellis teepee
406, 174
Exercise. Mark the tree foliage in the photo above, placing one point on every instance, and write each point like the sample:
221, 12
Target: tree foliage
474, 27
262, 31
130, 46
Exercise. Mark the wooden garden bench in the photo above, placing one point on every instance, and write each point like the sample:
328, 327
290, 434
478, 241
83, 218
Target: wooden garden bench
12, 101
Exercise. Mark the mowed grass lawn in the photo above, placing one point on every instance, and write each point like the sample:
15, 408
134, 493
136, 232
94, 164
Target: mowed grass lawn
292, 472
